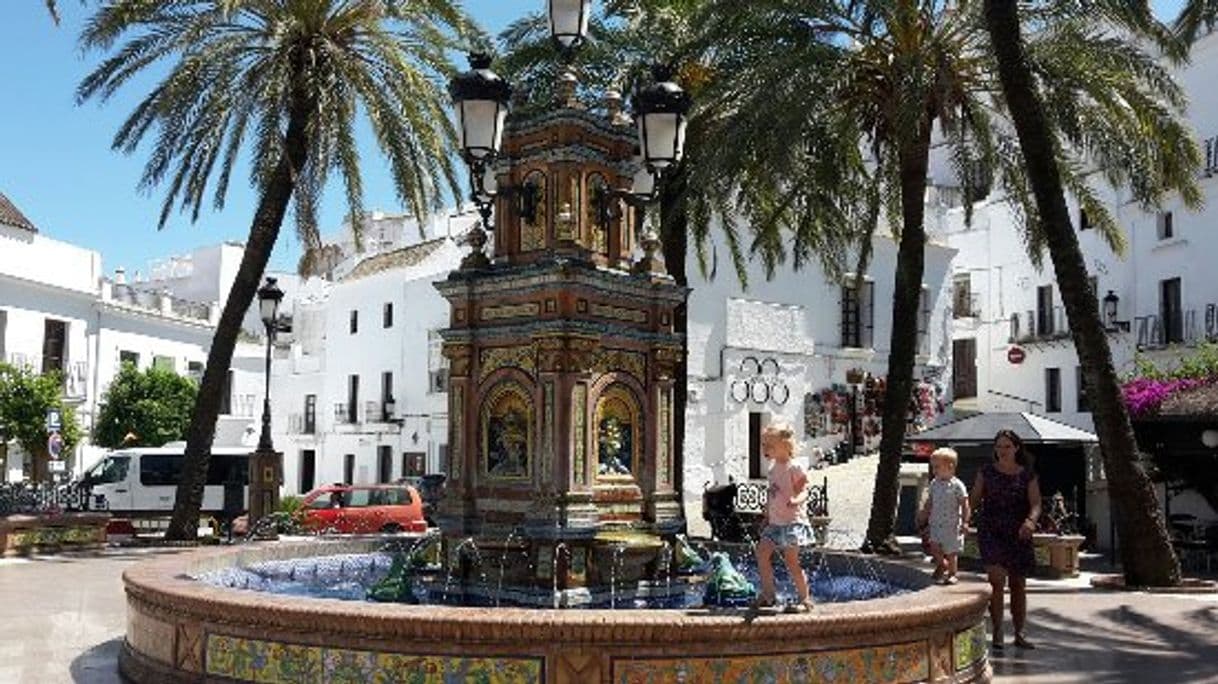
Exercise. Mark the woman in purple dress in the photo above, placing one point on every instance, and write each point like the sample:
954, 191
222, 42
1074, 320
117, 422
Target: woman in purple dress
1008, 495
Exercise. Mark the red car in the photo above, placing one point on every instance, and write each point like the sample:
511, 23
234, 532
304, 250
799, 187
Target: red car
362, 509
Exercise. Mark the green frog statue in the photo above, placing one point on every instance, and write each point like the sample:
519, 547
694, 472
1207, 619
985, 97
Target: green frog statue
686, 559
725, 586
397, 586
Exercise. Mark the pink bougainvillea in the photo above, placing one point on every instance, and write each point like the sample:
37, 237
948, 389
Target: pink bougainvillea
1144, 395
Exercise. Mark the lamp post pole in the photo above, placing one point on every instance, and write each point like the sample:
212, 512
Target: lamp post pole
266, 464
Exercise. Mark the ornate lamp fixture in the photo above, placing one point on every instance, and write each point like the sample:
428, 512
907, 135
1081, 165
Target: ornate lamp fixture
569, 23
661, 110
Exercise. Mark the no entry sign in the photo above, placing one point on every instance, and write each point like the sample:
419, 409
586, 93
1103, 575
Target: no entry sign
1016, 355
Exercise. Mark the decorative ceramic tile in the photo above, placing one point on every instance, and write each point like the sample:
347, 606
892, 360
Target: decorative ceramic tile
881, 665
970, 646
254, 660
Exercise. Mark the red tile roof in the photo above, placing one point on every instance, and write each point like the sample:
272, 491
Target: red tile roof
10, 215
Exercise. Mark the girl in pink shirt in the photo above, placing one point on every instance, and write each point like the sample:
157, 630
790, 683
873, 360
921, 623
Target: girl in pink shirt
786, 515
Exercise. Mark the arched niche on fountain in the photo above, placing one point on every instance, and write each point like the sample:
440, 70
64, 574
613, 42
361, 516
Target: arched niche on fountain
619, 430
507, 434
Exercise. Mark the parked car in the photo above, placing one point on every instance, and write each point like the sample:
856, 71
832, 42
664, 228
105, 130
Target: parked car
361, 509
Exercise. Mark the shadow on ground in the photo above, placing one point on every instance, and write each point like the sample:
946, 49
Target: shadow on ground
1116, 645
98, 665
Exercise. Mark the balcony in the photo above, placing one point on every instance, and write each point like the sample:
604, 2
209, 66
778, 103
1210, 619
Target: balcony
302, 424
348, 414
1190, 327
1042, 325
966, 305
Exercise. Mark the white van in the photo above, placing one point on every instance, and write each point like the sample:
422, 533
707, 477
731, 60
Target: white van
144, 481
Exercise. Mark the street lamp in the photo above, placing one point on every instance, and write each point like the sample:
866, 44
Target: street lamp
269, 296
569, 22
661, 111
481, 99
1110, 310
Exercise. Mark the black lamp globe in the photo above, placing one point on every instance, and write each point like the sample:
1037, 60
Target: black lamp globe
1110, 308
269, 296
481, 101
661, 111
569, 22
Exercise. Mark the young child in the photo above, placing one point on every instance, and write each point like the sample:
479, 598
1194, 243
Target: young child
786, 516
946, 514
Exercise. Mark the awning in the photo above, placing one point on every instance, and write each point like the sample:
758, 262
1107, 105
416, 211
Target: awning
980, 429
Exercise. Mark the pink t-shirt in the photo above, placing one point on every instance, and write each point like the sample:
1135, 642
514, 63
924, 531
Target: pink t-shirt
782, 478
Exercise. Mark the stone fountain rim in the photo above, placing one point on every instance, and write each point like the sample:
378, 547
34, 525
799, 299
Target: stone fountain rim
166, 585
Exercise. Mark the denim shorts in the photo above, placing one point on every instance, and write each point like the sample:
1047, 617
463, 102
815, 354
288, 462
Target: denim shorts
793, 534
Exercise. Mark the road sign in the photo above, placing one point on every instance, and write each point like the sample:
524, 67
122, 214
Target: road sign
55, 445
54, 420
1016, 355
58, 466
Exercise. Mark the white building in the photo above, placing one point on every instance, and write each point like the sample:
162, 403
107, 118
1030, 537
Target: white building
58, 311
359, 387
1010, 336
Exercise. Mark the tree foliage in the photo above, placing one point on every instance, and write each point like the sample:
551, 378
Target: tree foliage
25, 399
153, 405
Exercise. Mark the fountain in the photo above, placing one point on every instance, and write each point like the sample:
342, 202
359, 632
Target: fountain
558, 556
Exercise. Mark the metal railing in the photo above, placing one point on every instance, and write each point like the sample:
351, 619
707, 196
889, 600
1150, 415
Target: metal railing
1155, 331
1035, 325
343, 415
966, 305
31, 499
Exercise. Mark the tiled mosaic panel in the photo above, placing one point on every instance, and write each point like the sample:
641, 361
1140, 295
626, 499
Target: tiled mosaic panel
969, 646
269, 662
878, 665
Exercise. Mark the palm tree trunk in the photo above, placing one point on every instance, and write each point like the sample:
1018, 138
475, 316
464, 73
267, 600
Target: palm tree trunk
1146, 552
265, 230
675, 229
903, 345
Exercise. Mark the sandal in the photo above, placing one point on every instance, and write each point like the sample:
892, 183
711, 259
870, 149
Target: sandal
804, 606
763, 602
1021, 642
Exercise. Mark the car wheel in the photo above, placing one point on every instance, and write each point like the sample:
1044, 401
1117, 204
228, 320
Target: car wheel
391, 528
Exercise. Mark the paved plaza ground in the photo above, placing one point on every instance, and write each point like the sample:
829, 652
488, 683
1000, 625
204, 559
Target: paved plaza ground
62, 620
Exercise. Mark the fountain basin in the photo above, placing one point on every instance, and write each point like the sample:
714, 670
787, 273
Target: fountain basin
183, 630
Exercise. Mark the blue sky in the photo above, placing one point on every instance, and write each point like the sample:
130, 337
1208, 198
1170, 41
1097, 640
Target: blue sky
57, 166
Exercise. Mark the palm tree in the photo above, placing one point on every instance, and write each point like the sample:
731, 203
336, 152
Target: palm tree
283, 81
886, 76
1167, 157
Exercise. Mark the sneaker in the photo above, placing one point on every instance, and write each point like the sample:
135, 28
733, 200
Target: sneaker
950, 580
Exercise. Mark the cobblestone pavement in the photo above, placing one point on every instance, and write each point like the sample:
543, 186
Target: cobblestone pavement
62, 620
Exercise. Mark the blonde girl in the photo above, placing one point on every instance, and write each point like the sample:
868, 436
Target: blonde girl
787, 525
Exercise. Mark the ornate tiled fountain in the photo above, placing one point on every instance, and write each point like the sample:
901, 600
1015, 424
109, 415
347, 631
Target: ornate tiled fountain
562, 356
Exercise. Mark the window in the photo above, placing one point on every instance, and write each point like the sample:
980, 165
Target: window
308, 470
756, 424
194, 370
442, 457
353, 399
962, 296
111, 470
1044, 311
924, 322
387, 315
160, 470
125, 357
857, 314
437, 365
1171, 314
165, 363
222, 467
384, 464
54, 345
310, 414
438, 380
1053, 390
412, 463
386, 394
354, 322
964, 368
1084, 405
226, 395
1165, 226
349, 468
1084, 222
